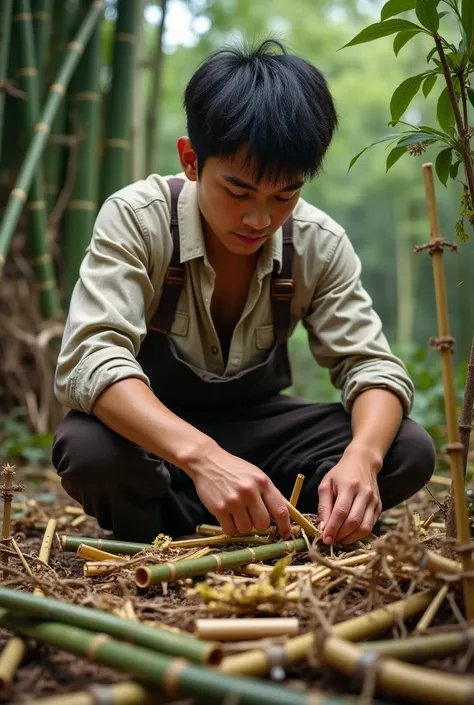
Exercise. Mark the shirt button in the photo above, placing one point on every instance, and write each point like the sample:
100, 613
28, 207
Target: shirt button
214, 350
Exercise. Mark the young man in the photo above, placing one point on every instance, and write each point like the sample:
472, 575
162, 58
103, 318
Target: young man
174, 355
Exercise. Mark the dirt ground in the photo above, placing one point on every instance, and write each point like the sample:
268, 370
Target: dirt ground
48, 671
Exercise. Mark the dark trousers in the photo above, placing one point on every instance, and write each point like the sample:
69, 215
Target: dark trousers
136, 495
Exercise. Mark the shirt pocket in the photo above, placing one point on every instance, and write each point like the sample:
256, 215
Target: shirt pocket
180, 325
264, 337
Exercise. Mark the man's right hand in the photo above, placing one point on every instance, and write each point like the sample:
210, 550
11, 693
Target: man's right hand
238, 493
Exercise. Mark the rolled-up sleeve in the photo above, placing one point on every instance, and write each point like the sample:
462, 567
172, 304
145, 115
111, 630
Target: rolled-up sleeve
345, 333
106, 320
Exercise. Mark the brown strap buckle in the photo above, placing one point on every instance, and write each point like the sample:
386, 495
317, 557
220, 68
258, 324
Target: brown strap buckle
283, 288
175, 275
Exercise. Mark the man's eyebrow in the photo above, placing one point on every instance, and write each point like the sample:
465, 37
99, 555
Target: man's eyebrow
243, 184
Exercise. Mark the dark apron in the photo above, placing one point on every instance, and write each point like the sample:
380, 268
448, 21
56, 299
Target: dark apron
177, 383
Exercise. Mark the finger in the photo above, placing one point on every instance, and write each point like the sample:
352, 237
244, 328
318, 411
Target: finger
242, 520
326, 501
340, 511
276, 507
227, 523
355, 516
259, 514
365, 527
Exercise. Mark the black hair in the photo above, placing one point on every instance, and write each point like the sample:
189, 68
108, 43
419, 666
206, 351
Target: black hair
275, 104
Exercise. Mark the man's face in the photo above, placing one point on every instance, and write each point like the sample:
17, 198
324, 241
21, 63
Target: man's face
240, 213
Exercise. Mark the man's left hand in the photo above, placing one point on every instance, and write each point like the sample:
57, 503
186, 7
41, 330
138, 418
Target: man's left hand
349, 500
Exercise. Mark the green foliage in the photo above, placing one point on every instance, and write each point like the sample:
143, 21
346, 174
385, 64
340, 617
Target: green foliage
18, 443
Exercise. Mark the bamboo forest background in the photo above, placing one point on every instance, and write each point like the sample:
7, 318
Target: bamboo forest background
383, 213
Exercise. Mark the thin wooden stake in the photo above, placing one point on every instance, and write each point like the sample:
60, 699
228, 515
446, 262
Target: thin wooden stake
301, 520
432, 610
295, 495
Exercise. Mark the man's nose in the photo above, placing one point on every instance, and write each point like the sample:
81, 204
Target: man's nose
257, 218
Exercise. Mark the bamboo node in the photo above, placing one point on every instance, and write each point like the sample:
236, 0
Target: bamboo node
436, 245
76, 46
125, 37
23, 17
368, 664
276, 656
57, 88
95, 644
8, 87
171, 675
445, 342
453, 447
19, 193
42, 127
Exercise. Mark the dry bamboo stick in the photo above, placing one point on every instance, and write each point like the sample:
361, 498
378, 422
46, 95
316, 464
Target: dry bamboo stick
7, 493
295, 495
77, 511
10, 659
21, 557
417, 649
79, 520
45, 549
305, 524
438, 564
444, 343
261, 569
218, 540
118, 694
440, 480
216, 530
95, 554
94, 569
235, 629
428, 521
431, 610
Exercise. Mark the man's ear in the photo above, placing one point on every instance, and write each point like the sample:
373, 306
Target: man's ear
187, 158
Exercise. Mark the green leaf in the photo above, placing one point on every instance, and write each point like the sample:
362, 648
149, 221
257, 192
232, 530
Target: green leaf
428, 84
470, 95
414, 137
444, 111
394, 7
404, 94
455, 168
467, 17
382, 29
443, 165
385, 138
403, 38
431, 54
394, 156
427, 13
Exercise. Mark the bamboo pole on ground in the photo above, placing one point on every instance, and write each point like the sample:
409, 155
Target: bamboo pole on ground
36, 147
126, 548
5, 30
36, 208
93, 619
164, 572
245, 628
42, 22
432, 610
444, 344
82, 206
116, 154
417, 649
93, 554
216, 530
117, 693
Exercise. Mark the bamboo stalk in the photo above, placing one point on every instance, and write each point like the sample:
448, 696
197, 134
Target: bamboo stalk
8, 472
41, 14
438, 564
164, 572
432, 610
94, 570
154, 102
295, 495
126, 548
417, 649
173, 675
218, 540
21, 557
305, 524
5, 29
93, 554
117, 693
257, 662
36, 147
10, 659
216, 530
96, 620
235, 629
76, 511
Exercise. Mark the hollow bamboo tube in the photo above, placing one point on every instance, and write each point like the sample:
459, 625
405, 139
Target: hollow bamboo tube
432, 610
10, 660
45, 549
417, 649
96, 620
164, 572
439, 564
305, 524
118, 694
93, 554
235, 629
295, 495
94, 570
21, 557
126, 548
257, 662
454, 441
397, 678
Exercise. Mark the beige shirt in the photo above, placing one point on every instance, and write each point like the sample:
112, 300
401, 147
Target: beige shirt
120, 284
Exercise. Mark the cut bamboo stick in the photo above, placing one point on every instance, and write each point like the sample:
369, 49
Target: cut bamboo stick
94, 554
216, 530
295, 495
439, 564
417, 649
235, 629
21, 557
218, 540
126, 548
454, 447
79, 520
7, 494
10, 660
432, 610
118, 694
94, 570
305, 524
45, 549
76, 511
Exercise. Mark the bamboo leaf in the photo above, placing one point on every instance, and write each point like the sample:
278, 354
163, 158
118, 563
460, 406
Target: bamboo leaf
385, 138
428, 84
382, 29
394, 7
427, 13
444, 112
443, 165
394, 156
470, 95
403, 38
404, 94
467, 17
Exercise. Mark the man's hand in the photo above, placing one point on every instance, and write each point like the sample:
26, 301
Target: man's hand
349, 500
238, 494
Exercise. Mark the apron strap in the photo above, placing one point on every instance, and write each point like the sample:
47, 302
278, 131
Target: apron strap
174, 277
283, 286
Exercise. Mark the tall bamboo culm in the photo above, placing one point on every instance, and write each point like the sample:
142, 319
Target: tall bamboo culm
444, 344
82, 205
37, 242
152, 118
116, 147
41, 11
5, 31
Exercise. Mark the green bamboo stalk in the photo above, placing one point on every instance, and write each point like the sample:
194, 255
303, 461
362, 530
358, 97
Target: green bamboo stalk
82, 205
116, 154
416, 649
163, 572
41, 11
5, 30
173, 675
124, 548
25, 178
153, 638
37, 225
